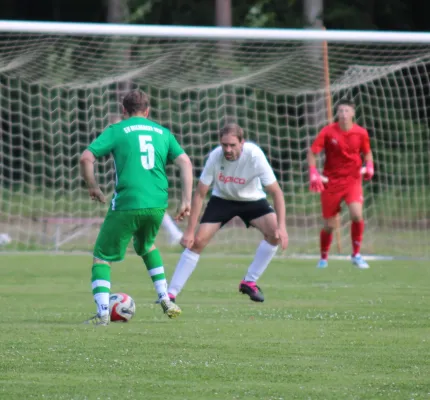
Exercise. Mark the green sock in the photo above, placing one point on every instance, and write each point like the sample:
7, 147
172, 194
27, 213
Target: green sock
100, 283
154, 265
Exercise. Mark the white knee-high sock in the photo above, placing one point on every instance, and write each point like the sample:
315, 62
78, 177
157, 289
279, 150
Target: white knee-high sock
263, 256
169, 225
102, 301
185, 267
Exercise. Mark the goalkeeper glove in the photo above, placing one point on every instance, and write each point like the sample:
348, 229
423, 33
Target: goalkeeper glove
369, 171
316, 184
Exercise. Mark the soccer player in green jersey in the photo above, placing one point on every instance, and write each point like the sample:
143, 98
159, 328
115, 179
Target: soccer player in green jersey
140, 149
172, 230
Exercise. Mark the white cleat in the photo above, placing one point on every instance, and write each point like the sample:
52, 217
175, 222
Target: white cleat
100, 320
359, 262
170, 308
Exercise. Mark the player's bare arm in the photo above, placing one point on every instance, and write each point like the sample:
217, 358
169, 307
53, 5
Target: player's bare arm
312, 159
368, 157
279, 204
186, 170
196, 208
87, 171
315, 179
368, 162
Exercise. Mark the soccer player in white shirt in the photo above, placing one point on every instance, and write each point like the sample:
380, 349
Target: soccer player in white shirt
238, 171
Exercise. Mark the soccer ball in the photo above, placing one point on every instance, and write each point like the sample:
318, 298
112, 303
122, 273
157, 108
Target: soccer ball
121, 307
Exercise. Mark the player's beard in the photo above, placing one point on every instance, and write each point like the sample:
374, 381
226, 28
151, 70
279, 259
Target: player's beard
234, 155
229, 156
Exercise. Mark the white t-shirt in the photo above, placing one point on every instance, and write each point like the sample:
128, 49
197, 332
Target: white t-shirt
242, 179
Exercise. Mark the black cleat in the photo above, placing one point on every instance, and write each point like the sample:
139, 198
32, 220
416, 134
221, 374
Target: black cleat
252, 290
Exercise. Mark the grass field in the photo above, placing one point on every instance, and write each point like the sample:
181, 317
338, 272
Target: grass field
330, 334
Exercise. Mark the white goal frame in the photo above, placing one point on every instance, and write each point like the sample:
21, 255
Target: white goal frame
214, 33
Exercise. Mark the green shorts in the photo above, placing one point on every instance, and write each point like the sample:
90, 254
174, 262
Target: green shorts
120, 226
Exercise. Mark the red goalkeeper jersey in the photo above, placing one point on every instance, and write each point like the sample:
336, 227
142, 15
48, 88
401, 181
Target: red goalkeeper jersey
343, 151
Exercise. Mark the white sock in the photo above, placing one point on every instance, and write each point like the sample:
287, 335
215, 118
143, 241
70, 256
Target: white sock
185, 267
263, 256
170, 227
161, 288
102, 301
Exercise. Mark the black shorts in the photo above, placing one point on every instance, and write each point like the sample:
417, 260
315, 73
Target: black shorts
221, 210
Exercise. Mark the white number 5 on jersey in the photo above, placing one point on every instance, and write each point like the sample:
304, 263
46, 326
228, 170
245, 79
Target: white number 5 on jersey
146, 147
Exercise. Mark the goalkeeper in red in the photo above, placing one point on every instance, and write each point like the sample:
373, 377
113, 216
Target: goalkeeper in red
140, 149
344, 144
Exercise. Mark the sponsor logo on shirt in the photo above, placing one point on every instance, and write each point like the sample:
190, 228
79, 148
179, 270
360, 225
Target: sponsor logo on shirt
232, 179
133, 128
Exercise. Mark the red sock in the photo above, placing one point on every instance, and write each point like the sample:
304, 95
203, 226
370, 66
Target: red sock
325, 242
357, 229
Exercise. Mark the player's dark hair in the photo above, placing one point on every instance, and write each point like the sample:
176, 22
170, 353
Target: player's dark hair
135, 102
345, 102
232, 129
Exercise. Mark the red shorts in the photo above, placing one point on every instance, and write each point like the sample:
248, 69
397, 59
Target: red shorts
332, 196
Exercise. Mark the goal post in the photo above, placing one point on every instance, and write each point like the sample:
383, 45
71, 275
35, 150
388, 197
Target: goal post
61, 84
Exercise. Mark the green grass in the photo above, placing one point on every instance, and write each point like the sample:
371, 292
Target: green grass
396, 203
331, 334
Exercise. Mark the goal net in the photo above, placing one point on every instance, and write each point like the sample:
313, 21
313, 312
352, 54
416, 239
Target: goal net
59, 90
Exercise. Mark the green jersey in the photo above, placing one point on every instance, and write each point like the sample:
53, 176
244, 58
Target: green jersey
141, 149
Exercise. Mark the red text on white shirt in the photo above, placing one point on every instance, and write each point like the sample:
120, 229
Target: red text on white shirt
232, 179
